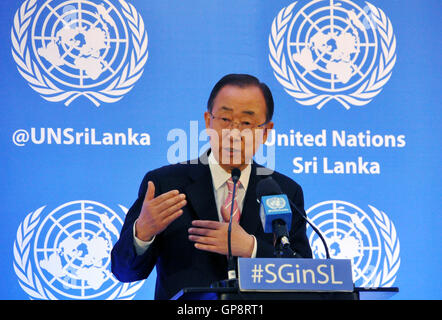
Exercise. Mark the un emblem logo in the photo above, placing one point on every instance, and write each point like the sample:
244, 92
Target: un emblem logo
332, 50
275, 203
68, 49
369, 240
66, 253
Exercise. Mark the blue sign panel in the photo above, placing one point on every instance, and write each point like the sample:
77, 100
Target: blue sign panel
267, 274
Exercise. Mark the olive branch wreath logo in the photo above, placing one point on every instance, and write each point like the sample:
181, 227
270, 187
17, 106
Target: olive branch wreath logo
302, 94
384, 274
48, 90
30, 283
392, 260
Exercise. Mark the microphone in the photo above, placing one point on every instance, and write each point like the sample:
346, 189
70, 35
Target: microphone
236, 174
267, 189
275, 215
231, 270
232, 281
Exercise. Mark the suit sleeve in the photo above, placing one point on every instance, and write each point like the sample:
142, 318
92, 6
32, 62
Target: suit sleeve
265, 247
126, 265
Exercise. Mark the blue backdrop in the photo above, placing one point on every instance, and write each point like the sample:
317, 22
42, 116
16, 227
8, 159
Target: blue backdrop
96, 93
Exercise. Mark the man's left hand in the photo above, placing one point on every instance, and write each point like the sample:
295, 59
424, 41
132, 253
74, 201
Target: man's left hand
211, 236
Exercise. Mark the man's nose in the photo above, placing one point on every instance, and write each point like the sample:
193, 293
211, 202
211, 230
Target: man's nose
235, 125
234, 134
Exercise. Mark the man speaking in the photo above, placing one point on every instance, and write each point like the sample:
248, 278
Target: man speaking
180, 220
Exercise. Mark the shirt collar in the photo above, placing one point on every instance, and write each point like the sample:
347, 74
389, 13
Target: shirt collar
220, 176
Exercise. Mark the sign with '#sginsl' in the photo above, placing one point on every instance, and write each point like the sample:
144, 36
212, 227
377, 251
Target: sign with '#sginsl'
276, 274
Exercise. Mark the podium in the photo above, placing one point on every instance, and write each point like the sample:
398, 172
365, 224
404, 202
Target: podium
207, 293
289, 279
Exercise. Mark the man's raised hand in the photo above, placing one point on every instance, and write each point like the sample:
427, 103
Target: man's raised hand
158, 212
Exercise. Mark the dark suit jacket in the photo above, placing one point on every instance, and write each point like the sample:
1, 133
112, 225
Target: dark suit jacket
179, 263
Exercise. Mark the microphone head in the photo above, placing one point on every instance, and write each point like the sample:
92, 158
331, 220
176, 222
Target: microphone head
236, 173
275, 206
267, 187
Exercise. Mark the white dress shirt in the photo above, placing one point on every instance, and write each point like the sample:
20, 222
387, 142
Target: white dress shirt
220, 190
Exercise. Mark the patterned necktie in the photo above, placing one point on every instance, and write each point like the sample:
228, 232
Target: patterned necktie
225, 209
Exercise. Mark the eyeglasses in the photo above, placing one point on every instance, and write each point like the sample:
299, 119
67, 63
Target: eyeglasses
226, 122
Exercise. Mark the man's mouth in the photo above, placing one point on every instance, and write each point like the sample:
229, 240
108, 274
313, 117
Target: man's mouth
231, 150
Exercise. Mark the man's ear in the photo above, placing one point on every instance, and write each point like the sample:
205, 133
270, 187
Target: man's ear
207, 117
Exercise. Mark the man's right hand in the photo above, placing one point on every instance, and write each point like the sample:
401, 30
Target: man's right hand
157, 213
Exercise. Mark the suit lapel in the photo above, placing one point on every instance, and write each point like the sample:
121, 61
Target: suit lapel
200, 192
250, 220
